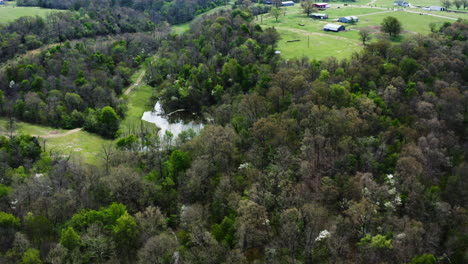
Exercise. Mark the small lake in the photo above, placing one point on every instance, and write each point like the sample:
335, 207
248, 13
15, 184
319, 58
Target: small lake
174, 124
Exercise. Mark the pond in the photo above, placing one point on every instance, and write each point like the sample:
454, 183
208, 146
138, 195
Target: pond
176, 122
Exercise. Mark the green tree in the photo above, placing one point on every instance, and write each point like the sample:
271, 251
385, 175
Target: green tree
446, 3
70, 239
9, 224
424, 259
275, 12
392, 26
125, 232
109, 122
307, 7
364, 35
31, 256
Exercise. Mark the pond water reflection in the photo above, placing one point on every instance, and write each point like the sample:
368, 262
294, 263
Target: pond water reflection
176, 123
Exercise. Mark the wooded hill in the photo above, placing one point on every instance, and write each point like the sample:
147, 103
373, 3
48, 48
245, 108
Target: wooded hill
354, 161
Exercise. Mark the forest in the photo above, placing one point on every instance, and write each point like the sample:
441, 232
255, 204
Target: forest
90, 19
362, 160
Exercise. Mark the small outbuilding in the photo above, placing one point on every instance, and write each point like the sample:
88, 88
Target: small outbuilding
348, 19
434, 8
401, 3
287, 3
318, 16
322, 5
333, 27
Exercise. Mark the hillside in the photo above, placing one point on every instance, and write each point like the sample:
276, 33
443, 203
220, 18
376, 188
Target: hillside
253, 156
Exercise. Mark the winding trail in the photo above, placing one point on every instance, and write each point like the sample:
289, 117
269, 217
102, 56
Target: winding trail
73, 131
138, 81
52, 134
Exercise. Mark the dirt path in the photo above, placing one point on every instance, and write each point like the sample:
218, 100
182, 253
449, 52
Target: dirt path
138, 81
52, 134
300, 31
61, 134
375, 13
415, 12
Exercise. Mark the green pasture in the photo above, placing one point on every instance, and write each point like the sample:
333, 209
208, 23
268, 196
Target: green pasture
10, 12
138, 102
294, 25
22, 127
81, 144
314, 46
412, 23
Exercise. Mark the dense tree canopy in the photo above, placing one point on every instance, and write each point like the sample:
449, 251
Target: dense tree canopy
355, 161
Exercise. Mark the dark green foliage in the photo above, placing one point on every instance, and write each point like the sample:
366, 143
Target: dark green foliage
353, 161
392, 26
70, 239
106, 216
225, 231
424, 259
31, 256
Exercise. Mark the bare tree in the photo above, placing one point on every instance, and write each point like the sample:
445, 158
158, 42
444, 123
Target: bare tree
108, 151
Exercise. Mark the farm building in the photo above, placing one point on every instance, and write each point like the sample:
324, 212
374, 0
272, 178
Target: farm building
287, 3
401, 3
322, 5
348, 19
333, 27
434, 8
318, 16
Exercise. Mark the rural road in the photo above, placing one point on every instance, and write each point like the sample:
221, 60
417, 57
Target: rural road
138, 81
446, 17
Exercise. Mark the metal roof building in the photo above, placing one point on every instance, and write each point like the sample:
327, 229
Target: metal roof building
333, 27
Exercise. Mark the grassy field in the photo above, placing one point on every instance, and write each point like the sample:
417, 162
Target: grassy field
319, 45
294, 25
10, 12
79, 145
138, 101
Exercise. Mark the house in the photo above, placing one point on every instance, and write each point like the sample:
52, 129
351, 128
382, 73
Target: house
268, 2
333, 27
322, 5
401, 3
318, 16
434, 8
287, 3
348, 19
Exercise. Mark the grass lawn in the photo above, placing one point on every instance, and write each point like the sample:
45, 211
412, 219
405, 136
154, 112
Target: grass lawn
10, 12
81, 144
293, 24
138, 101
319, 46
412, 23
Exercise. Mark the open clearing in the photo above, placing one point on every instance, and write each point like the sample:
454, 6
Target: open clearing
313, 42
10, 12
